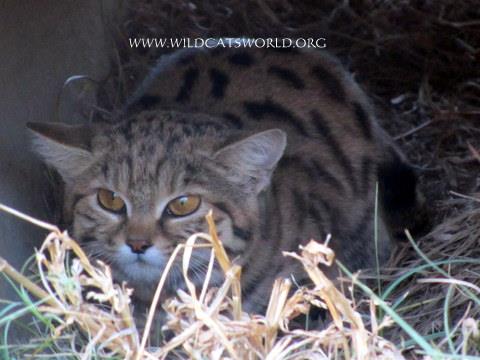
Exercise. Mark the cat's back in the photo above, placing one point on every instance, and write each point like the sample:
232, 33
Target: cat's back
307, 93
304, 92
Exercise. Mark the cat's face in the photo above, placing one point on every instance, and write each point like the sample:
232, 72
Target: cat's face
136, 190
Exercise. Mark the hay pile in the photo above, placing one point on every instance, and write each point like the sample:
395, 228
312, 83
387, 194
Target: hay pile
436, 287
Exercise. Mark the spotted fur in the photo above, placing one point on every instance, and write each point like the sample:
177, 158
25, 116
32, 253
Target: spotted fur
282, 146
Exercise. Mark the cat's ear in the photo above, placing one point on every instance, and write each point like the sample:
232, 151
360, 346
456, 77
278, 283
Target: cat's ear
256, 156
67, 148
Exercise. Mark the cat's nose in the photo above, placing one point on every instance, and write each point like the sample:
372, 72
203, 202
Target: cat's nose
139, 246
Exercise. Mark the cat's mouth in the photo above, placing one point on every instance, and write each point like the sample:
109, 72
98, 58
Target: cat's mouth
142, 268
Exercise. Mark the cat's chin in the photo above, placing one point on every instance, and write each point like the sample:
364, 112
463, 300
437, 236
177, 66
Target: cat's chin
138, 270
141, 277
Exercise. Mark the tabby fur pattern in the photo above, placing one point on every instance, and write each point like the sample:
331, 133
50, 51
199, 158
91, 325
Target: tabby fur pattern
282, 145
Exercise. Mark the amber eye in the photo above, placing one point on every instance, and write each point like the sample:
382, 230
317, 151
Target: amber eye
184, 205
110, 201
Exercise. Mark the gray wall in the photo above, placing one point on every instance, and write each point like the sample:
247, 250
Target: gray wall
42, 43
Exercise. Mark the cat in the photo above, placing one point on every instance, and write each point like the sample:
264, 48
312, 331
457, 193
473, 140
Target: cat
281, 144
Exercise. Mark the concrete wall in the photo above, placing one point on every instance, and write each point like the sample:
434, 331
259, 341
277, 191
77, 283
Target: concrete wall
42, 43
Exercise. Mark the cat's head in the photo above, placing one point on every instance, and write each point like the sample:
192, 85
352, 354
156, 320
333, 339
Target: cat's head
137, 189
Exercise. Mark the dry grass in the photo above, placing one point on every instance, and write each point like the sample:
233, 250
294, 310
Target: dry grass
436, 287
90, 317
205, 323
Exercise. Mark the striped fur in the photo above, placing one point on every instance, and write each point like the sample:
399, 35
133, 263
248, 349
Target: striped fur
200, 125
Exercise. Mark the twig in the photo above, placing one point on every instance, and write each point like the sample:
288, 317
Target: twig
464, 196
414, 130
30, 219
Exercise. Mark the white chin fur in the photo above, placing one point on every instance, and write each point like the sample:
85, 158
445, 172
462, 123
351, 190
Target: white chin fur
141, 268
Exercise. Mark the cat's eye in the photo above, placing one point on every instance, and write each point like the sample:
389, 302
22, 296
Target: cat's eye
184, 205
110, 201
